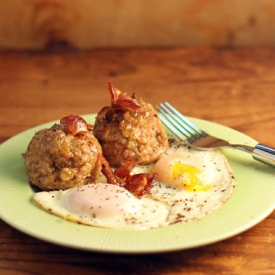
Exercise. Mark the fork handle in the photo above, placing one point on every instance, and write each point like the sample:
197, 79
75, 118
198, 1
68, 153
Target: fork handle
264, 154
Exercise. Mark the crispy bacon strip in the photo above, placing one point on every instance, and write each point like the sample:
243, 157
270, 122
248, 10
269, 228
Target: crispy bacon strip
124, 171
107, 170
122, 101
75, 124
138, 184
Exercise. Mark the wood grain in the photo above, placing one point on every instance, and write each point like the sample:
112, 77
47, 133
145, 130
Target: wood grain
233, 87
41, 24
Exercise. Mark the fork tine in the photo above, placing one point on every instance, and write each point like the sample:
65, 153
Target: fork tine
190, 125
168, 122
175, 120
179, 124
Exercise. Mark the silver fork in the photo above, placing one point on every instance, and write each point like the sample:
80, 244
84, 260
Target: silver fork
186, 130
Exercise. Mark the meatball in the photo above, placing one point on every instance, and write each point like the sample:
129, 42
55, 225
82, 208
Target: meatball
57, 159
130, 128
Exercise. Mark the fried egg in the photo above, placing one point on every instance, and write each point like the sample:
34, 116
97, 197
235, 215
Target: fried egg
103, 205
190, 184
191, 169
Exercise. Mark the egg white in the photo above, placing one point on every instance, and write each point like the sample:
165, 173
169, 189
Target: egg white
103, 205
186, 204
108, 205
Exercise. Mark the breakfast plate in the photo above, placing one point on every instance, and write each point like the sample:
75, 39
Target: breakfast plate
252, 200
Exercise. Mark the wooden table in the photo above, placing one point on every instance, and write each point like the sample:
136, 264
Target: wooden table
234, 87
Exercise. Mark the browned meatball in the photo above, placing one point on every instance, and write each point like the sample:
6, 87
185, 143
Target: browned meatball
57, 159
130, 132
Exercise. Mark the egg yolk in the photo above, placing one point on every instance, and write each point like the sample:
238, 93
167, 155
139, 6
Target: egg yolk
182, 170
187, 175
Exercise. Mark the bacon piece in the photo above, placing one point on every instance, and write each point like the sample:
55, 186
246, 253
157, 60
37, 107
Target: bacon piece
122, 101
138, 184
124, 171
75, 124
107, 171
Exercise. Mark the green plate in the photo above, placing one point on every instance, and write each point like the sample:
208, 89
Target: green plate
252, 201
